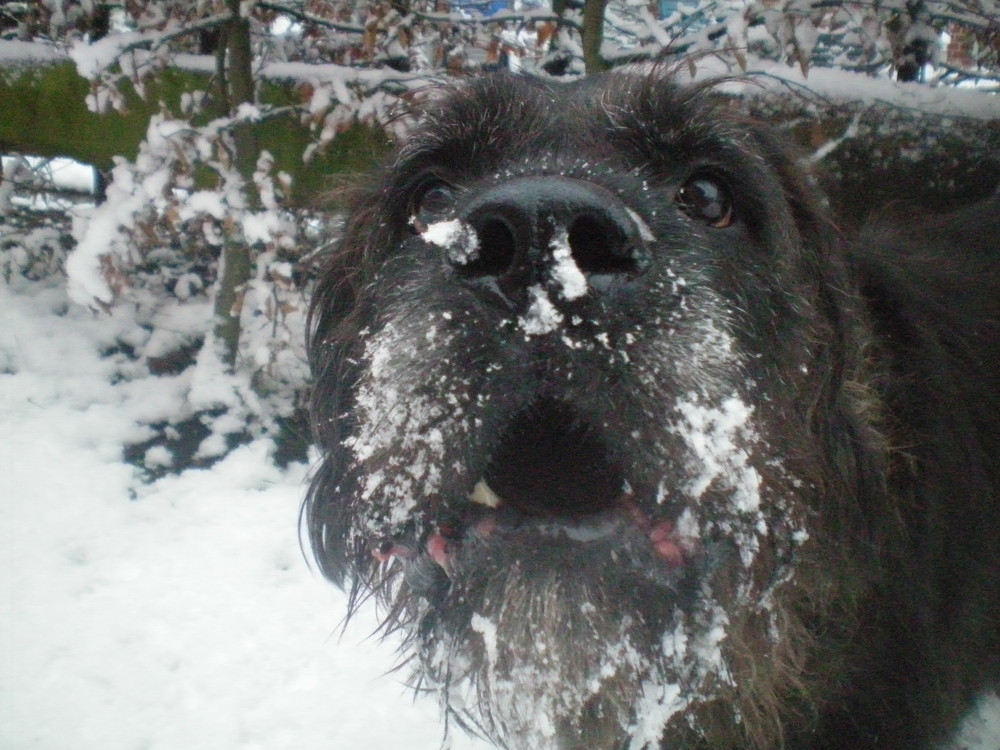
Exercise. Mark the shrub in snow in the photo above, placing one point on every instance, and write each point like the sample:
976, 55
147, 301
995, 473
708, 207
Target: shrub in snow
208, 409
155, 245
33, 246
34, 220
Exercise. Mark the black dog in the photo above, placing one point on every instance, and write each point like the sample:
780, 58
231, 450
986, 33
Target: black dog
639, 451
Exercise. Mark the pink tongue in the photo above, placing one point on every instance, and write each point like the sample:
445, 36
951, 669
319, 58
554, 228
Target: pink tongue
390, 549
437, 548
663, 537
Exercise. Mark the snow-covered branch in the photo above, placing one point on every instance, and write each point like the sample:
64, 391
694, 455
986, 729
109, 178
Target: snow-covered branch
298, 13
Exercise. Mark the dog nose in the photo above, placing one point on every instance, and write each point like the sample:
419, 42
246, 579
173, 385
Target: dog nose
553, 231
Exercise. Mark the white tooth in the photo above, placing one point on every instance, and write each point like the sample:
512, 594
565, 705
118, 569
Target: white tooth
482, 494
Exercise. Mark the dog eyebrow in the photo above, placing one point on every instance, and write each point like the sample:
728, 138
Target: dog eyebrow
661, 122
484, 125
493, 122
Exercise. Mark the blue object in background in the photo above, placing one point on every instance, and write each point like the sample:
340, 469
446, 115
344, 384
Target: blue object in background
486, 7
667, 7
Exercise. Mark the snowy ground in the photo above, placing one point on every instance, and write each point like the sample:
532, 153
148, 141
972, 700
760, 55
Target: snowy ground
176, 616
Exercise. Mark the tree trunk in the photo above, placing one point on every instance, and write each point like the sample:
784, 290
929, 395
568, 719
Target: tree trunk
236, 264
593, 36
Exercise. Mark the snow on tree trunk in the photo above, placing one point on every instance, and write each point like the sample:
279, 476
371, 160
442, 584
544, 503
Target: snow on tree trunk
236, 265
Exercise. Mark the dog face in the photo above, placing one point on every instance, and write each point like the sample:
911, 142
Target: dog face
568, 362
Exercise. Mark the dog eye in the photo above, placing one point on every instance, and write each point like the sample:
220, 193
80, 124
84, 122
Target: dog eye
432, 203
706, 199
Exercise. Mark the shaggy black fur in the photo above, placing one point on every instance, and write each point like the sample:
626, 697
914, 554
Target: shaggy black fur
749, 469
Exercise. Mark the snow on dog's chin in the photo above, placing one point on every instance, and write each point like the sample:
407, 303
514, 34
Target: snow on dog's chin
551, 655
548, 666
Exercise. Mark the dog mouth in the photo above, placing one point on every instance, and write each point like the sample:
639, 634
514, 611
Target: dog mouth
550, 464
551, 485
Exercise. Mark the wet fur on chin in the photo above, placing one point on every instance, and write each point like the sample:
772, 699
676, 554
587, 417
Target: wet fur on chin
748, 468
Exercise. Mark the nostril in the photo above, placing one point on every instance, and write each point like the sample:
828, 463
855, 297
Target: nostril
533, 231
599, 246
497, 248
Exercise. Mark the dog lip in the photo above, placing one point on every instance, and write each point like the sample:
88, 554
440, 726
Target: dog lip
488, 518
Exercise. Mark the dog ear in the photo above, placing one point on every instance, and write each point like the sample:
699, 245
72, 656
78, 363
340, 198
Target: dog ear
801, 188
844, 414
332, 341
338, 276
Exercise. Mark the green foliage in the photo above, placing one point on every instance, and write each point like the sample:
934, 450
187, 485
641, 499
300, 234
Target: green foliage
44, 113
